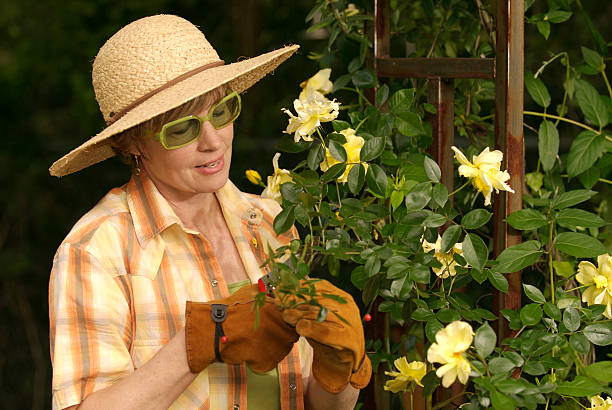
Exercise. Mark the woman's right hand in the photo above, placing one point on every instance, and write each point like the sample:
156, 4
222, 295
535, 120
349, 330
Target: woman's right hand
233, 338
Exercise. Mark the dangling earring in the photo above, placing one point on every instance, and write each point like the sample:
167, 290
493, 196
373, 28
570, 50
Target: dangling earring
136, 164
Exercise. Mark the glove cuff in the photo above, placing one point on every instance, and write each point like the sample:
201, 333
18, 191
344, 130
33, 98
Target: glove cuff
361, 377
199, 336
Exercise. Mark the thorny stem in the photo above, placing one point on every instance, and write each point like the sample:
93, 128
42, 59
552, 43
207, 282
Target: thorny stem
435, 40
337, 16
444, 403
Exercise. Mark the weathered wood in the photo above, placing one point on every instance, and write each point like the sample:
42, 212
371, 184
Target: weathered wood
435, 67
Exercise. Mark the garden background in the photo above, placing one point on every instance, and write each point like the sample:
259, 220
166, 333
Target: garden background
47, 108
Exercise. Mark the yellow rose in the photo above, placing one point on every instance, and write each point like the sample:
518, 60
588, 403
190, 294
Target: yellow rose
451, 343
484, 172
352, 147
408, 373
599, 282
253, 176
351, 10
446, 259
311, 112
317, 83
279, 177
598, 403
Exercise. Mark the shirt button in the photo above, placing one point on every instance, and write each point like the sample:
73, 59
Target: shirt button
292, 386
236, 406
214, 282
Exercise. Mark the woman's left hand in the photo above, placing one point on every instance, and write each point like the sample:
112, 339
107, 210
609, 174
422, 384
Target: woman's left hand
338, 345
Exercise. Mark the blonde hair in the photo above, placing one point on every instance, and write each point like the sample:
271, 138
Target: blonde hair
121, 143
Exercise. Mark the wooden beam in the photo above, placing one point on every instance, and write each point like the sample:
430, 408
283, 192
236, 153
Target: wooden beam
435, 67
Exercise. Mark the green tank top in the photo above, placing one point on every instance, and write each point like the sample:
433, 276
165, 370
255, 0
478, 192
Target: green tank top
263, 389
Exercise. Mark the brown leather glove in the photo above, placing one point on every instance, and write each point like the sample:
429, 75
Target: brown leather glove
230, 337
339, 347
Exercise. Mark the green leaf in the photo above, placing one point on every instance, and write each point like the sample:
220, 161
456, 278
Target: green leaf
440, 194
580, 343
409, 124
601, 371
571, 198
558, 16
552, 311
284, 220
448, 315
364, 78
423, 315
356, 177
599, 334
581, 386
579, 245
571, 319
572, 218
485, 340
543, 28
337, 151
430, 383
591, 103
517, 257
563, 268
315, 156
592, 58
431, 328
418, 196
585, 150
372, 149
534, 368
497, 280
340, 125
475, 218
509, 386
534, 293
500, 365
420, 273
531, 314
450, 237
590, 177
536, 89
382, 94
526, 219
333, 172
475, 251
377, 180
401, 100
548, 144
432, 170
434, 221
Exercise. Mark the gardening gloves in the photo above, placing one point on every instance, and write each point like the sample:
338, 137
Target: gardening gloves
224, 331
339, 346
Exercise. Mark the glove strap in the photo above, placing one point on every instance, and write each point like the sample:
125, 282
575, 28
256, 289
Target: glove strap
219, 313
360, 363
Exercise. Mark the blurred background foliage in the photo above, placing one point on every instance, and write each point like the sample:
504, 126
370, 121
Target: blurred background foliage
48, 108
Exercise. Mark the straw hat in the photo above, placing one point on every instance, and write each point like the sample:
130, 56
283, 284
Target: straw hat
151, 66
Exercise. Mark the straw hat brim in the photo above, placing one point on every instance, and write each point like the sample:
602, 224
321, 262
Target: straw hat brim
238, 76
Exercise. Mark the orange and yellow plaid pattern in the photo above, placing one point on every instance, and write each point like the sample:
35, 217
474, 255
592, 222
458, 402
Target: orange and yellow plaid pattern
118, 289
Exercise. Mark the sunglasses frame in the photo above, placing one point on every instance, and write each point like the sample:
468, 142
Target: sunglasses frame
161, 135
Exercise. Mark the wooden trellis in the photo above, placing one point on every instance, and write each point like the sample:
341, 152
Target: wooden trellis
507, 71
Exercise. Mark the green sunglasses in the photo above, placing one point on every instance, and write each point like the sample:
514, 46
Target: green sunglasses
184, 131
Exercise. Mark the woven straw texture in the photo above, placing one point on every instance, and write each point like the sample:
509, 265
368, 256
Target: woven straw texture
144, 56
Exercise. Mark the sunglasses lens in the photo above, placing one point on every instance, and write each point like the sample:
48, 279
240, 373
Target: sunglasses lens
182, 132
225, 113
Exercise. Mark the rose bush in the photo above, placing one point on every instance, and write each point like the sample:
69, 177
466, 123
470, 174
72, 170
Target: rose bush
369, 205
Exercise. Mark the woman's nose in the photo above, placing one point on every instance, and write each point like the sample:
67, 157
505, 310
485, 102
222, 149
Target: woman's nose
210, 138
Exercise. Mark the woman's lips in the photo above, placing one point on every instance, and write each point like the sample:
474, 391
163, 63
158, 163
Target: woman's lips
211, 167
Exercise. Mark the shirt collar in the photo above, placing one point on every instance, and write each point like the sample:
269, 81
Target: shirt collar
152, 214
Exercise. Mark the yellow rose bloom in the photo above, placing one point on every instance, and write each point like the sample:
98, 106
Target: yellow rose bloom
311, 112
279, 177
598, 403
446, 259
351, 10
253, 176
484, 172
451, 343
317, 83
599, 282
408, 373
352, 147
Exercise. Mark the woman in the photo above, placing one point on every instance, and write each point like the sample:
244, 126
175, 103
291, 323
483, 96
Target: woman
145, 310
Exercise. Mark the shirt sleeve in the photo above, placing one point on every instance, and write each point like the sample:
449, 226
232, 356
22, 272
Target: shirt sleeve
90, 326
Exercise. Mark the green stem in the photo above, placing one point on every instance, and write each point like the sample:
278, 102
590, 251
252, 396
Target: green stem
605, 77
607, 181
445, 402
459, 189
579, 124
388, 338
550, 264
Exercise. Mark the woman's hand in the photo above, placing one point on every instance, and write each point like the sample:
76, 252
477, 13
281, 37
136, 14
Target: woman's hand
338, 342
231, 337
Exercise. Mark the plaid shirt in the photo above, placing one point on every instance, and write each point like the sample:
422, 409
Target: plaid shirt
118, 289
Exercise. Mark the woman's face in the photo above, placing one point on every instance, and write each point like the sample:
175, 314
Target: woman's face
200, 167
